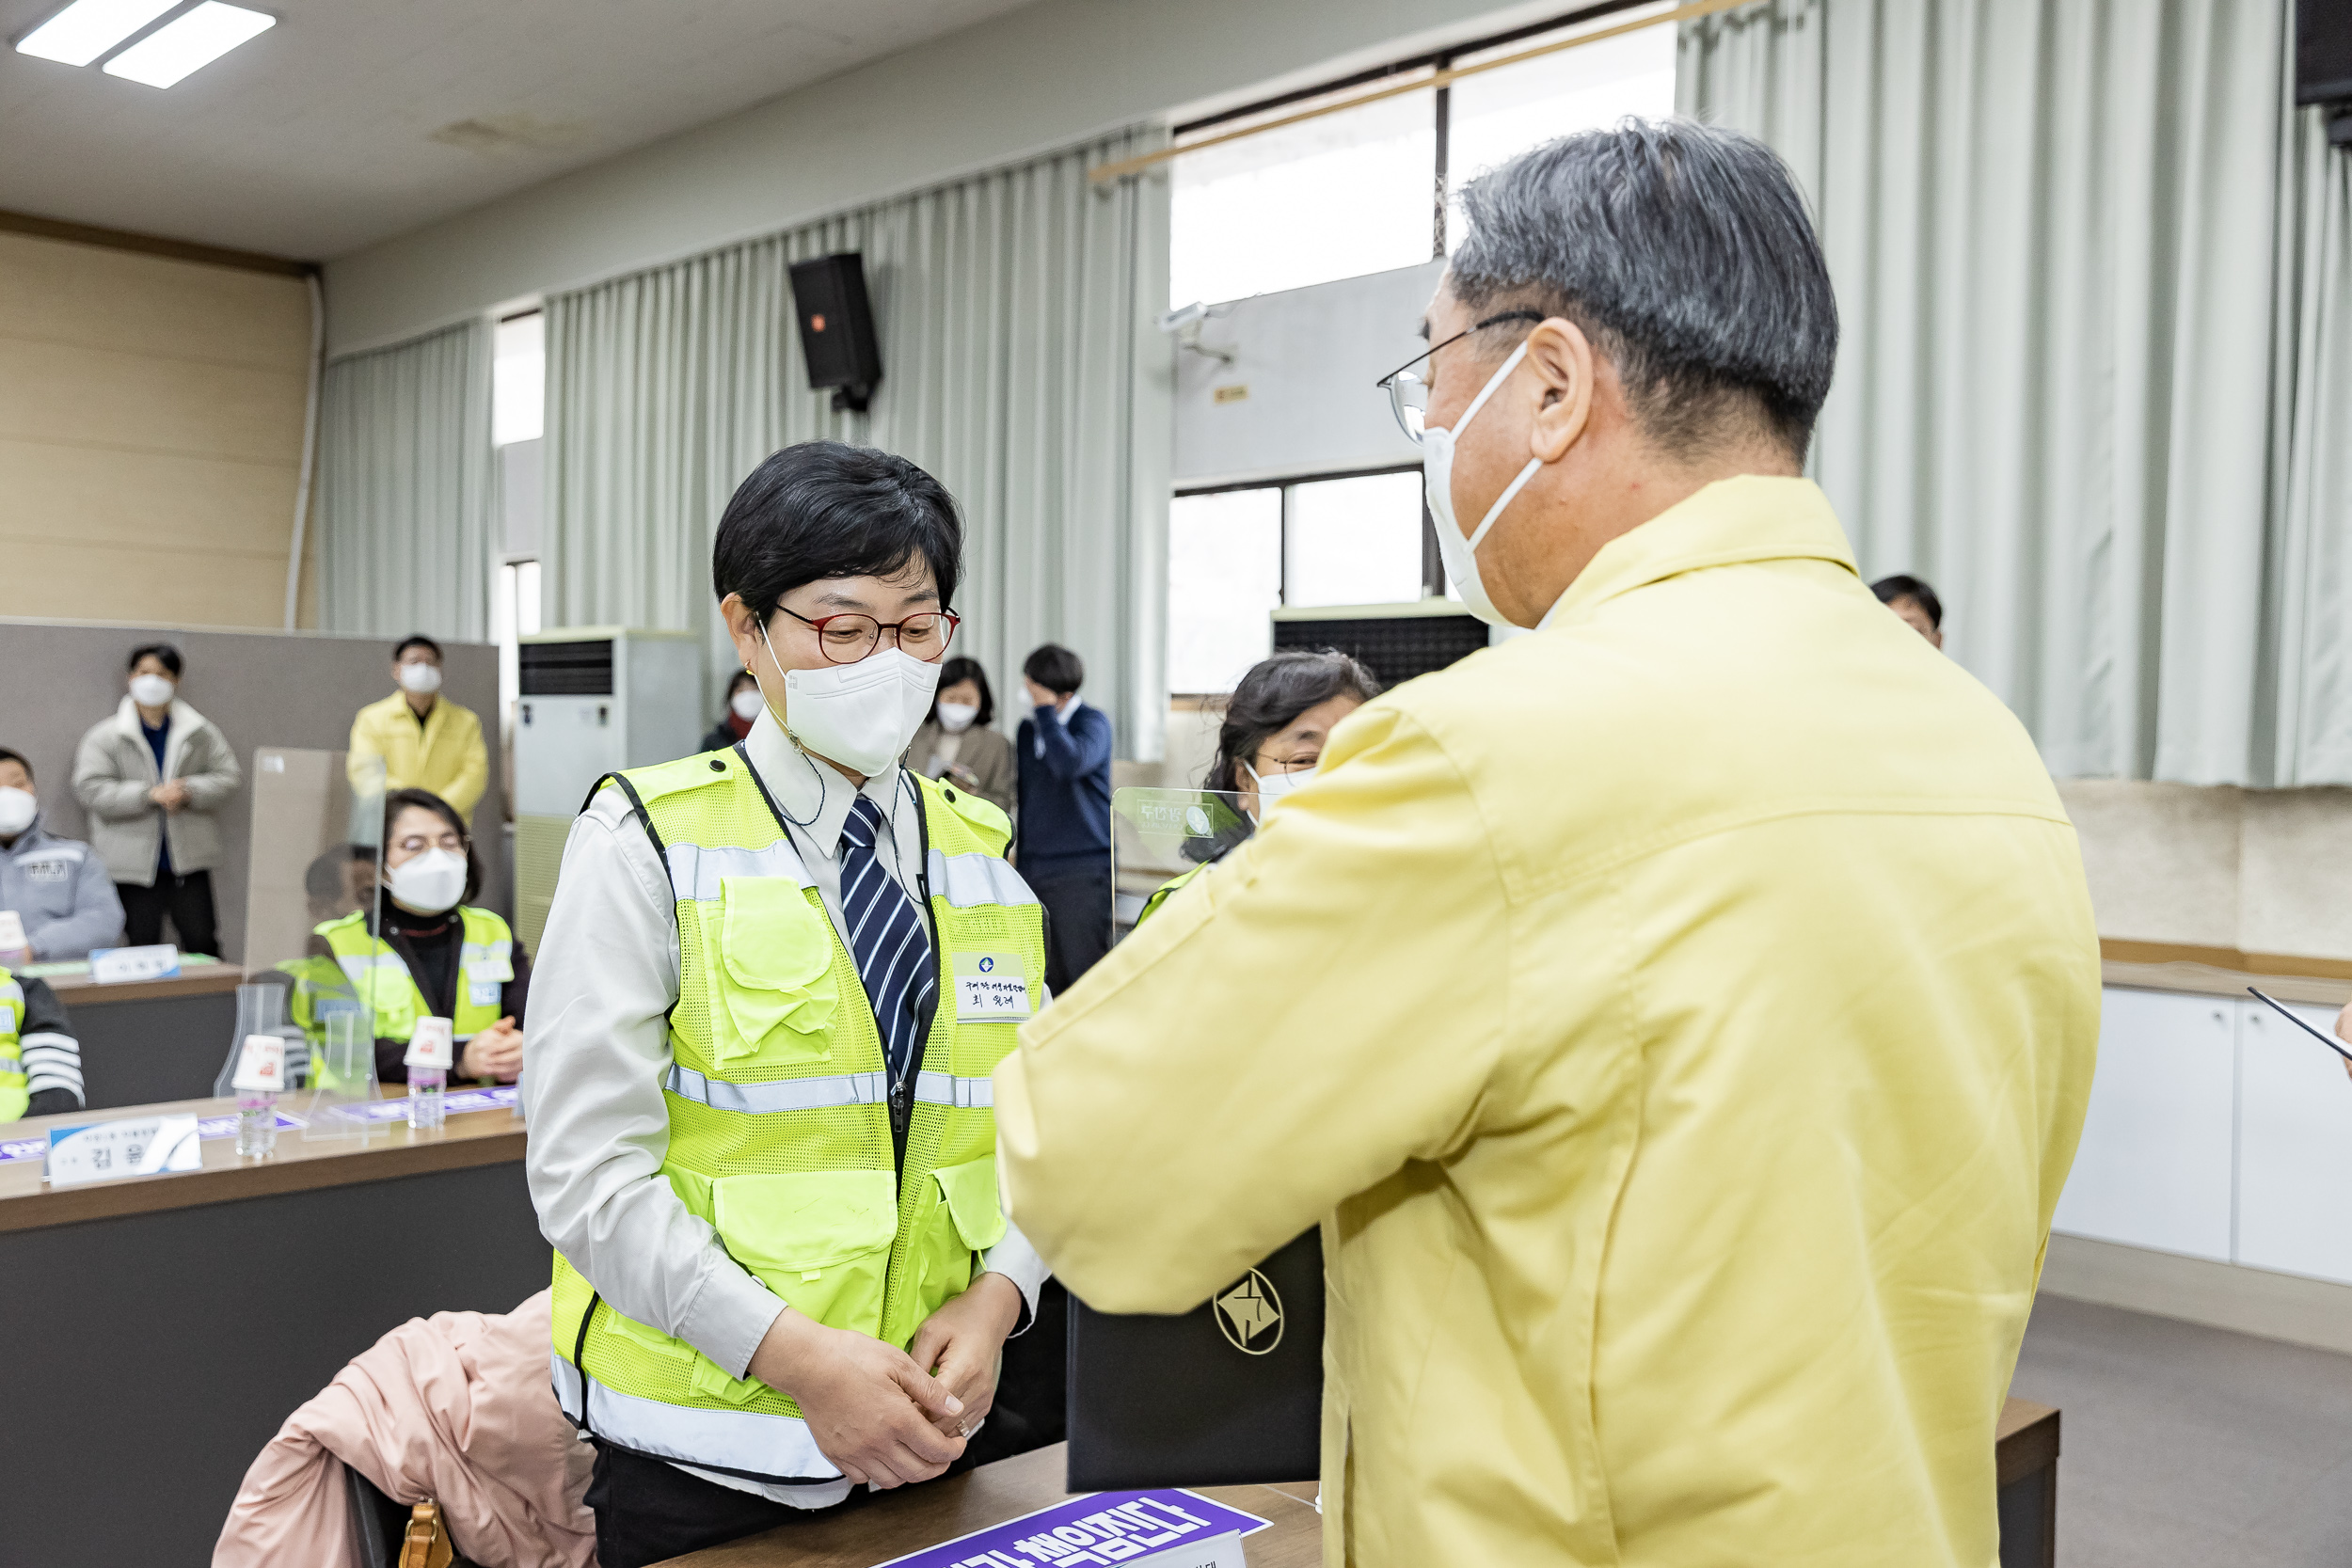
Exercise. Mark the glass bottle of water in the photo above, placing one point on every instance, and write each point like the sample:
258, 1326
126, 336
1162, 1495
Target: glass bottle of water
257, 1124
427, 1110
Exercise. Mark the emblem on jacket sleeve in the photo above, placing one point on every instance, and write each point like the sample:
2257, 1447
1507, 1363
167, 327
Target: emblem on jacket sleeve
1250, 1313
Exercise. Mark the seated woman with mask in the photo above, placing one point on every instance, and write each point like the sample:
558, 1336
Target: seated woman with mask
743, 704
436, 956
1275, 725
956, 746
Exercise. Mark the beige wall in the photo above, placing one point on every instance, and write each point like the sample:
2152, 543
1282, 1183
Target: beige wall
151, 434
2261, 871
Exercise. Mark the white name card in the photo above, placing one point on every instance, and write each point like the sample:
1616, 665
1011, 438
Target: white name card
110, 1150
110, 966
434, 1043
261, 1066
990, 986
1218, 1551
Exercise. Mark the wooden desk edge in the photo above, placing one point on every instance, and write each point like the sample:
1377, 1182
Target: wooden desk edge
80, 990
2026, 1440
149, 1195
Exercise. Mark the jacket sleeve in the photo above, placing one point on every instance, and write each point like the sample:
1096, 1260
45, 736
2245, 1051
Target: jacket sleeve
998, 776
363, 748
99, 783
53, 1057
473, 770
217, 775
1073, 753
96, 920
1325, 1008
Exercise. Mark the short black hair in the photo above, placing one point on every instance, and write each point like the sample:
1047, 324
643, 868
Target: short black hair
163, 651
18, 759
1056, 669
1274, 693
963, 669
1685, 252
823, 508
419, 640
401, 800
1904, 586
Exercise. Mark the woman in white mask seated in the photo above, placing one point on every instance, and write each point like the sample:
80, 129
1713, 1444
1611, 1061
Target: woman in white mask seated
434, 955
743, 706
1276, 723
956, 745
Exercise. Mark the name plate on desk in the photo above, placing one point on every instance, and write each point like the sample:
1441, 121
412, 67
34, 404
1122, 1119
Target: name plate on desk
110, 1150
110, 966
1135, 1529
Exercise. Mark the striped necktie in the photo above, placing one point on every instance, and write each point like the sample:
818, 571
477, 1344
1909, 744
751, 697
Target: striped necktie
886, 941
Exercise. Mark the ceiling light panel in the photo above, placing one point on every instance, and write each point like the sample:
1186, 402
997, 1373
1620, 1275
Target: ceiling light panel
88, 29
189, 43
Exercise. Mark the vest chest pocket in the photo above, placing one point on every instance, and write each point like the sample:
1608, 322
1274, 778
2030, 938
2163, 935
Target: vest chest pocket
818, 1238
773, 972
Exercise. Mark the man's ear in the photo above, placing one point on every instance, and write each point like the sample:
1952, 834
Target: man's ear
1564, 366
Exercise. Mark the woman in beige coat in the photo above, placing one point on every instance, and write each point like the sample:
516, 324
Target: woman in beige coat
150, 778
956, 745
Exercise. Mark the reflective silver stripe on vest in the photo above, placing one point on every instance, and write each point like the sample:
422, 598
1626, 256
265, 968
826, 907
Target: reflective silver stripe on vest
12, 991
356, 965
969, 880
773, 1447
695, 871
791, 1094
964, 1093
472, 953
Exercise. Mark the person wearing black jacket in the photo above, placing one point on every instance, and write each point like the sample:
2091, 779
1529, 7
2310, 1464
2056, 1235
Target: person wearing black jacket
37, 1039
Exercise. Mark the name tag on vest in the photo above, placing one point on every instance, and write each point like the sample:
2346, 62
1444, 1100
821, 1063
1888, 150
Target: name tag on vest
991, 988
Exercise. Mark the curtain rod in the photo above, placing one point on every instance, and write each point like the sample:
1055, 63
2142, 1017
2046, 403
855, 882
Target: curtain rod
1125, 166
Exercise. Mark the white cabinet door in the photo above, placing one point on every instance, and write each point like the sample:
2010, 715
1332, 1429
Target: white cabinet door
2295, 1146
2154, 1165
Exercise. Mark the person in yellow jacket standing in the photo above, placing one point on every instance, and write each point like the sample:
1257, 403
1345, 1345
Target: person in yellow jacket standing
772, 985
426, 740
1681, 1018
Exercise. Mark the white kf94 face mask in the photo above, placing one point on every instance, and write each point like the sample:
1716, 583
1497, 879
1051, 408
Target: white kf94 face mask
862, 715
746, 704
1273, 786
956, 718
419, 678
17, 807
152, 690
1459, 554
431, 883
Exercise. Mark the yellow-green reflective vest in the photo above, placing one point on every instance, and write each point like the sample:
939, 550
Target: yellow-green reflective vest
1161, 894
779, 1130
14, 1097
381, 982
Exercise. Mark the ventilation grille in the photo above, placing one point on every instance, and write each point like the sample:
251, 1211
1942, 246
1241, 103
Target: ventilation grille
1396, 649
565, 668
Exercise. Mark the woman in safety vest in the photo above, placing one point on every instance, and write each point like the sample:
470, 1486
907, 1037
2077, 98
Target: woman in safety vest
774, 981
1272, 738
434, 955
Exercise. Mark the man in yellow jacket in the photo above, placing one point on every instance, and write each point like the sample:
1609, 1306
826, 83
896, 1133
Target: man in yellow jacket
426, 741
1680, 1019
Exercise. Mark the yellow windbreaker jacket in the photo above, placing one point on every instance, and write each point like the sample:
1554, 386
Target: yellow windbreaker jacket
1681, 1019
444, 754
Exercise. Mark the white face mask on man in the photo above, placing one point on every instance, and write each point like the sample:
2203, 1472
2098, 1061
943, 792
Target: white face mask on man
1460, 554
153, 690
419, 678
16, 810
861, 716
430, 883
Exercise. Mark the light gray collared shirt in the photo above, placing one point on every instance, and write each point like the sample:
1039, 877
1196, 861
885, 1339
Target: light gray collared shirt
597, 1047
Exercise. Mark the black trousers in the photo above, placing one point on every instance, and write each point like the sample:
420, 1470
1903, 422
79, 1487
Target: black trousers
650, 1510
189, 902
1077, 922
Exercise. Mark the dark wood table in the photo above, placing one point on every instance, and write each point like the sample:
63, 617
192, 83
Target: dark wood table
145, 1041
896, 1523
161, 1329
890, 1525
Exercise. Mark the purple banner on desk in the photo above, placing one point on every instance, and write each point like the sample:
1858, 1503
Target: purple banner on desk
456, 1102
1106, 1528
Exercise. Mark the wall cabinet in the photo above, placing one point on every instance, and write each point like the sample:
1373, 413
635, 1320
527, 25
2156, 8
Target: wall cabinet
2216, 1130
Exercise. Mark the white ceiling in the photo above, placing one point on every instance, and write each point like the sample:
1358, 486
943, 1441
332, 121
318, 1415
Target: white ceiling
353, 120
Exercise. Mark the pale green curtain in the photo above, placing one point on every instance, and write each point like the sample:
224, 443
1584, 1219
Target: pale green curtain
408, 488
2075, 244
1021, 367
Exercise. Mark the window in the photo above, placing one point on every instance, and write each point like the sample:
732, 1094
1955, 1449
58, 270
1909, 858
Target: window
519, 380
1363, 189
514, 614
1235, 556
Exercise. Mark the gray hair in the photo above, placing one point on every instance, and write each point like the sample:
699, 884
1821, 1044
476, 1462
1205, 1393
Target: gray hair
1684, 252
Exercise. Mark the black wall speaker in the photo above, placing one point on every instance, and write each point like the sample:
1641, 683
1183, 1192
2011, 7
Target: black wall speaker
837, 328
2323, 50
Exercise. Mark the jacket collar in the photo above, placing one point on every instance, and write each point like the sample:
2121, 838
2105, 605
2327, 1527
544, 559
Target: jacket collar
812, 792
183, 718
1752, 517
